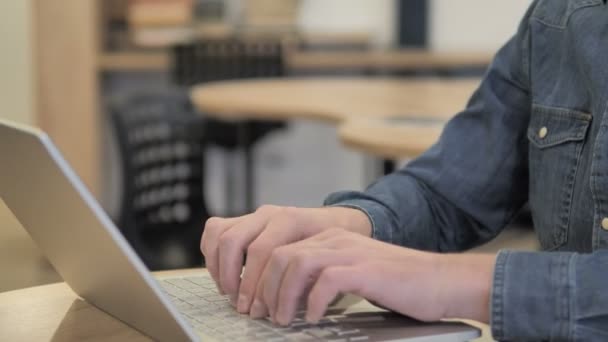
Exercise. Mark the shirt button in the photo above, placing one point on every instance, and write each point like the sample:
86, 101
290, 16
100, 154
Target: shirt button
542, 132
605, 223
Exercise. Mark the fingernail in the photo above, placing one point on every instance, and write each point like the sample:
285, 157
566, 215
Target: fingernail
242, 304
257, 310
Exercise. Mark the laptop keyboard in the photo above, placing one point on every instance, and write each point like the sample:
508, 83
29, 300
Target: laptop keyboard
211, 313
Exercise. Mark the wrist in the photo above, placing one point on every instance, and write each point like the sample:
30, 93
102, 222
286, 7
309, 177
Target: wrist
350, 219
466, 285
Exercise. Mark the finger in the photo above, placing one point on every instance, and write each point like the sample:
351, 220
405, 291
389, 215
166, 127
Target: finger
302, 271
307, 256
332, 281
231, 249
304, 253
281, 230
270, 279
258, 308
273, 273
214, 227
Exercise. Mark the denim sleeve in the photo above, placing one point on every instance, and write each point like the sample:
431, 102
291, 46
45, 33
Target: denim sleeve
464, 189
550, 296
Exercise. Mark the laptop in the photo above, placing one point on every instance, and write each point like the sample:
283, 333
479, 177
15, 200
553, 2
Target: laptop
95, 260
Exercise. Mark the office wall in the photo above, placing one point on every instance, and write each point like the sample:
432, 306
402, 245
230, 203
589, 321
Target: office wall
376, 17
454, 25
473, 24
16, 83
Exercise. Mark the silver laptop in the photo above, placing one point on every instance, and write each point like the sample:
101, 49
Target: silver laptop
96, 261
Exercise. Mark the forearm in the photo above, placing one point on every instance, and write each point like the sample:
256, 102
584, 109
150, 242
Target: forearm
468, 186
460, 193
405, 211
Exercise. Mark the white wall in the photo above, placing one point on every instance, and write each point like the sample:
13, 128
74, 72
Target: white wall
455, 25
376, 17
16, 82
474, 24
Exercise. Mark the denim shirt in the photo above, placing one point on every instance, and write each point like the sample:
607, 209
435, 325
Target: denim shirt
536, 130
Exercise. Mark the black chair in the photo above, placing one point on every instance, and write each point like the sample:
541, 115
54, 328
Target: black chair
216, 60
162, 206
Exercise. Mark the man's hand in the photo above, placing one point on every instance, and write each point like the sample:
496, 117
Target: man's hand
422, 285
225, 242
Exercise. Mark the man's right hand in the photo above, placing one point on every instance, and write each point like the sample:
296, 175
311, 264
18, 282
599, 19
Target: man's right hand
225, 242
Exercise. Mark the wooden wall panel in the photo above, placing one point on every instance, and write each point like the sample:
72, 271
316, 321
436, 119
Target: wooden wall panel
67, 88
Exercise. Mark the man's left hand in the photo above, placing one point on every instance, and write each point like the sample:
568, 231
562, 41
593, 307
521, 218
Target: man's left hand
426, 286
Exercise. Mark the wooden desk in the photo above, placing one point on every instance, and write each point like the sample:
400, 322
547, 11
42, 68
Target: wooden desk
333, 99
385, 60
320, 61
390, 139
54, 312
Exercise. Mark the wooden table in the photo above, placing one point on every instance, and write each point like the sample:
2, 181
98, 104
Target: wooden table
385, 60
322, 61
333, 99
391, 138
54, 312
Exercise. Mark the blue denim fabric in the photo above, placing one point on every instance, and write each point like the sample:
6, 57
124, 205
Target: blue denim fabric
536, 130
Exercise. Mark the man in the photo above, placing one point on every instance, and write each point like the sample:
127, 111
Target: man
536, 131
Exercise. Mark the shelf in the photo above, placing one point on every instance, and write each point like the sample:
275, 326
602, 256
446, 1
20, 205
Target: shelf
134, 61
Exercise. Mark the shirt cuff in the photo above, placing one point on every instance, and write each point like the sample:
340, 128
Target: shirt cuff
377, 214
531, 295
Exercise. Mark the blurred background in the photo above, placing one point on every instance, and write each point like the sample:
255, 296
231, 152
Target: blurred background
109, 81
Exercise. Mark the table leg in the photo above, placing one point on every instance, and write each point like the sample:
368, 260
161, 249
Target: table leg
388, 166
229, 166
247, 148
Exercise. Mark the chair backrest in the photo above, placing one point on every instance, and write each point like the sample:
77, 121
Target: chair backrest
163, 207
217, 60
